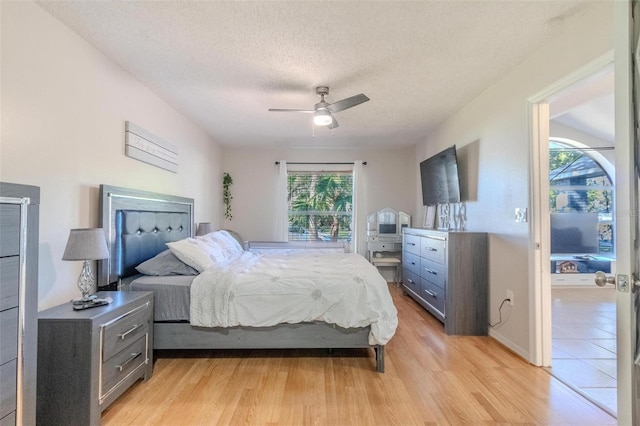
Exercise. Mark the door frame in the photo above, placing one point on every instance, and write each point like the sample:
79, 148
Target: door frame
539, 227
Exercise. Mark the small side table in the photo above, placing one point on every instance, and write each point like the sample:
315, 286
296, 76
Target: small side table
88, 358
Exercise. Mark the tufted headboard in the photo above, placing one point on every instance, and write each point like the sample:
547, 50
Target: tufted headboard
137, 226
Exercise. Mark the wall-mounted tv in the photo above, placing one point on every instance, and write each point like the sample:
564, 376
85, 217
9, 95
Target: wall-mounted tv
439, 176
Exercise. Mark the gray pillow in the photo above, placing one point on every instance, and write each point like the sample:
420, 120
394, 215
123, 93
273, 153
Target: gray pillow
165, 263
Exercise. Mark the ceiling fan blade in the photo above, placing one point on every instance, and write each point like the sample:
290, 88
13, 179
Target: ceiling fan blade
333, 124
348, 103
290, 110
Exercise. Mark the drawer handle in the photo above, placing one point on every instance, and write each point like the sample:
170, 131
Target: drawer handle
412, 244
131, 330
431, 249
413, 263
431, 271
410, 281
127, 362
430, 293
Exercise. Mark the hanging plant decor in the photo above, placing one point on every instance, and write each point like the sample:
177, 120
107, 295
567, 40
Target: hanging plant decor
226, 195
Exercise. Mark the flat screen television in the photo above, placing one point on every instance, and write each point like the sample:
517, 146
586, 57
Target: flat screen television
439, 176
574, 233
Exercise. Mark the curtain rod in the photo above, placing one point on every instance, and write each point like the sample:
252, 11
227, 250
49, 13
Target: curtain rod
364, 163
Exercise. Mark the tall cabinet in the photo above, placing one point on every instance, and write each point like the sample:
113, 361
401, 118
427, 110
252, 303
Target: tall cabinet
19, 212
447, 273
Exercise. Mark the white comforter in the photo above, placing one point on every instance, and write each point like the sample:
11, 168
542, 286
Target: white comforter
261, 290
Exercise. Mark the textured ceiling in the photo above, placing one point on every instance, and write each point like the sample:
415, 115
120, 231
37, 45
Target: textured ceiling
223, 64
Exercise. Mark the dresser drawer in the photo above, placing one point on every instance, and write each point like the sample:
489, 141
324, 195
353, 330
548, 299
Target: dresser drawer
411, 243
411, 263
433, 295
121, 364
9, 282
8, 335
433, 249
434, 272
9, 230
121, 332
411, 281
7, 388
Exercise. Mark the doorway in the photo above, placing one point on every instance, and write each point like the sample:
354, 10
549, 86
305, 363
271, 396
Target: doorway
576, 227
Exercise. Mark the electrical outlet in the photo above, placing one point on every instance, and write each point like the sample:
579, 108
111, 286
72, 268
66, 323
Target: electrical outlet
510, 297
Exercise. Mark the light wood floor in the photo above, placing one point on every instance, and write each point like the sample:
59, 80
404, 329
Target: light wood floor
430, 379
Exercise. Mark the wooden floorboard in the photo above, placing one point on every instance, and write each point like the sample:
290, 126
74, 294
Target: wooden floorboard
430, 379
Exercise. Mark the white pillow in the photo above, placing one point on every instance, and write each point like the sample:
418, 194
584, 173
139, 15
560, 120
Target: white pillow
196, 253
229, 245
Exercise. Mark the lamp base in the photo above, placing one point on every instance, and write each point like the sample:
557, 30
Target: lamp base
86, 282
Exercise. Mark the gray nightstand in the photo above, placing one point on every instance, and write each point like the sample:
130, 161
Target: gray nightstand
86, 359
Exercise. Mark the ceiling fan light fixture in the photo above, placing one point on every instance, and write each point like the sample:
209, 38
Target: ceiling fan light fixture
322, 118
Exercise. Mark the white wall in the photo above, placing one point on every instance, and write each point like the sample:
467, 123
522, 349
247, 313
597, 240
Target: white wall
388, 178
64, 105
495, 127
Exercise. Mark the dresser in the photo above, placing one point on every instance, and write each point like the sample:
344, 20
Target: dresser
19, 213
447, 273
90, 357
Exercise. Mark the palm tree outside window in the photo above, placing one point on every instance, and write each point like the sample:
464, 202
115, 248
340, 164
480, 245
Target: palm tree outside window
320, 206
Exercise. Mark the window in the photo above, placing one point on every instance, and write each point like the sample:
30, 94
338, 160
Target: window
580, 185
320, 206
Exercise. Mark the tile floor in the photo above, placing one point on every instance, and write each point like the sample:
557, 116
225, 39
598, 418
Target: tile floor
584, 342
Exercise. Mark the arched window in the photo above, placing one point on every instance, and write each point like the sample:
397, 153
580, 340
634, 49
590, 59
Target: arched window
581, 199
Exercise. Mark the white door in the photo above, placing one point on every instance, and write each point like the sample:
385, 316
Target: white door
627, 212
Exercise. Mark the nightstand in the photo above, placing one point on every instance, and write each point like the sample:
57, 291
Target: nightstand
87, 358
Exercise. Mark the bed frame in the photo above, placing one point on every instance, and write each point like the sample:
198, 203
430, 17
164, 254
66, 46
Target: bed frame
138, 224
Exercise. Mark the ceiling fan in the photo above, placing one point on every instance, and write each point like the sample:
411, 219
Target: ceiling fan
323, 111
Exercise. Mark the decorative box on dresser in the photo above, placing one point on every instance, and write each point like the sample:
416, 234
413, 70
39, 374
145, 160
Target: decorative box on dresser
447, 273
90, 357
19, 215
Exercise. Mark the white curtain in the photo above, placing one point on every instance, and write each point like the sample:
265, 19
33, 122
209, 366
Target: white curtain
359, 213
282, 214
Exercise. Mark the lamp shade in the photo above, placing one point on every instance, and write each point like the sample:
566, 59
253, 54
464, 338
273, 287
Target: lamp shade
204, 228
86, 244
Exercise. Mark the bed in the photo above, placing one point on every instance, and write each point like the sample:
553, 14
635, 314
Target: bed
140, 224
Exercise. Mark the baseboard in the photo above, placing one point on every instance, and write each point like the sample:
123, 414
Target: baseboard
521, 352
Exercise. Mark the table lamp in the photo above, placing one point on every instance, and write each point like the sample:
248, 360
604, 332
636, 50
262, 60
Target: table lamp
204, 228
86, 244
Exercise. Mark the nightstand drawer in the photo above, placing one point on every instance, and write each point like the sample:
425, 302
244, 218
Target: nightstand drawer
120, 332
122, 364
